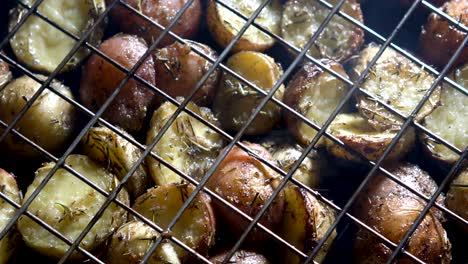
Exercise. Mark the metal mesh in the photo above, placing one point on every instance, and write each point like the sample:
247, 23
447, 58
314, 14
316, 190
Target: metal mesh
343, 215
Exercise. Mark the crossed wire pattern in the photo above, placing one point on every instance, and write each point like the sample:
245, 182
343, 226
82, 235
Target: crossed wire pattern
343, 213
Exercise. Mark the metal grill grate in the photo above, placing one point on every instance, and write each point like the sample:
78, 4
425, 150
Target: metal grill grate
343, 215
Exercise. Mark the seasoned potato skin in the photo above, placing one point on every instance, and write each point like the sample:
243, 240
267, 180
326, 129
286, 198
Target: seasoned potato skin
12, 241
100, 78
241, 257
247, 183
5, 74
159, 11
50, 121
440, 39
178, 70
457, 196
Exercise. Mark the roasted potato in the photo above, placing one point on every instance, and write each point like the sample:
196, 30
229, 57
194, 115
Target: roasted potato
41, 46
241, 257
132, 240
391, 209
188, 144
440, 38
224, 25
12, 240
68, 204
247, 184
100, 78
450, 120
159, 11
457, 196
235, 101
315, 94
338, 41
179, 69
305, 221
50, 121
119, 155
196, 227
355, 132
395, 80
5, 74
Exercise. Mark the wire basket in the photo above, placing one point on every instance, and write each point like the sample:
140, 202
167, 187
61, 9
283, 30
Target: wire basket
400, 31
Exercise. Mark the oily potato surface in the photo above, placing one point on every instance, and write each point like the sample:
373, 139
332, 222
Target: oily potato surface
188, 145
457, 196
241, 257
50, 122
224, 25
315, 94
99, 79
179, 68
196, 227
5, 74
67, 204
12, 240
41, 46
235, 101
159, 11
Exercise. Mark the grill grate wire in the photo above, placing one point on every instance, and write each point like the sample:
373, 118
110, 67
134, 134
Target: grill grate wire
95, 117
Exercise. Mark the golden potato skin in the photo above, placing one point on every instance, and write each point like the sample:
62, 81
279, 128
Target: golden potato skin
12, 240
440, 39
247, 183
241, 257
5, 74
457, 196
50, 122
178, 70
100, 78
159, 11
391, 209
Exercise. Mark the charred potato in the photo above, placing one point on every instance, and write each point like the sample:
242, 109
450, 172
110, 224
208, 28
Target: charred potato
457, 196
100, 78
224, 24
67, 204
354, 131
241, 257
305, 222
50, 121
440, 38
188, 144
161, 12
179, 69
132, 240
5, 74
391, 209
338, 41
12, 240
196, 227
119, 155
247, 183
398, 82
41, 46
315, 94
449, 121
235, 101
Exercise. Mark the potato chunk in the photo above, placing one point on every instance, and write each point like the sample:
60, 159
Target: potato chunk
67, 204
41, 46
5, 74
457, 196
241, 257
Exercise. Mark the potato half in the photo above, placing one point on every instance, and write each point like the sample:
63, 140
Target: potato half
315, 94
68, 204
247, 183
338, 41
440, 38
12, 240
50, 122
195, 228
398, 82
119, 155
355, 132
188, 144
305, 222
450, 120
241, 257
132, 240
5, 74
235, 101
42, 46
457, 196
224, 24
